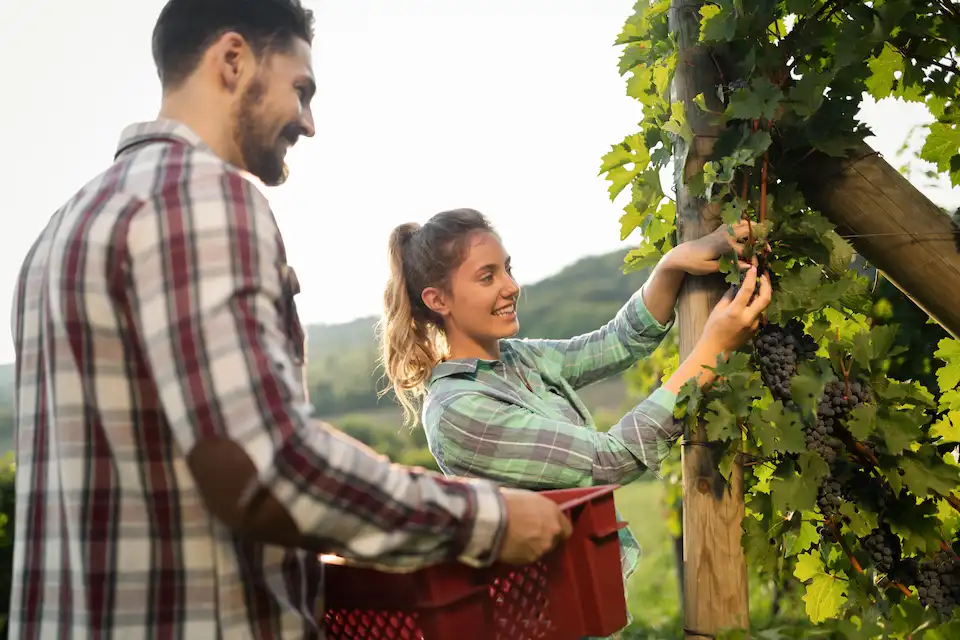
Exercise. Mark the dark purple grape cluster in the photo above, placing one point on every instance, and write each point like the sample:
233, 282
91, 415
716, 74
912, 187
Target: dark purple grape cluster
883, 548
829, 496
938, 583
835, 406
779, 349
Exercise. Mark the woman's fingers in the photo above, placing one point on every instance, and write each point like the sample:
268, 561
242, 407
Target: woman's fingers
741, 230
747, 287
763, 296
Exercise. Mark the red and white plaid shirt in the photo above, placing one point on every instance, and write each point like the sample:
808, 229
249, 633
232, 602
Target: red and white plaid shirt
152, 312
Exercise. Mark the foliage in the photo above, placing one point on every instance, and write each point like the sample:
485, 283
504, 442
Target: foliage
7, 503
791, 75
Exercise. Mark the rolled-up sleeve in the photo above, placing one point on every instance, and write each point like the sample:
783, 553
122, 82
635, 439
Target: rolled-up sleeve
203, 276
480, 436
631, 335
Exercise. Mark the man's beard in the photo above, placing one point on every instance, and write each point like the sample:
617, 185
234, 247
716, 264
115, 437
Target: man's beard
259, 149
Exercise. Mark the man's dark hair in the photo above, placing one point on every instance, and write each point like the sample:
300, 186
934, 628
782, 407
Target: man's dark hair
186, 28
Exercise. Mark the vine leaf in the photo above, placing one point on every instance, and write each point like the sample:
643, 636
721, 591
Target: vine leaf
883, 72
623, 162
803, 539
932, 474
948, 376
862, 421
947, 428
790, 492
899, 428
807, 387
677, 125
718, 23
721, 424
862, 521
761, 100
825, 594
942, 144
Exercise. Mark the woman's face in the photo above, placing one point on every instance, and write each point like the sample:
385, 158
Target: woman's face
481, 303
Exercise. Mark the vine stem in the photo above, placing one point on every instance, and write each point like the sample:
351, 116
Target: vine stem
835, 532
947, 549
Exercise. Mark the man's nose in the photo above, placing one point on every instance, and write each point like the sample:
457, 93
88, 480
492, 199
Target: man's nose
307, 127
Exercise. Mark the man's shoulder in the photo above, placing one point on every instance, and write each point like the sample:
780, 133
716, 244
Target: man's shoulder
168, 170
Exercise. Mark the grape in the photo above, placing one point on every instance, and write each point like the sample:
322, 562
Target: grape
883, 548
937, 584
779, 350
828, 496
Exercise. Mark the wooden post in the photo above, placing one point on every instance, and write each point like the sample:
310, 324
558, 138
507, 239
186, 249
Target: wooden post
892, 224
715, 574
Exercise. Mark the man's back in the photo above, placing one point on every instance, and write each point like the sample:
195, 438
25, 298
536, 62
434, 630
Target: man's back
114, 538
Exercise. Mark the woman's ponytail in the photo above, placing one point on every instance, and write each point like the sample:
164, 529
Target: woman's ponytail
409, 349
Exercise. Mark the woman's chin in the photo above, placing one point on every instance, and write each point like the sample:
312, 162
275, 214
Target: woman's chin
511, 329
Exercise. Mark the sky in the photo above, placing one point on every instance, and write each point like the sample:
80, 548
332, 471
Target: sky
505, 106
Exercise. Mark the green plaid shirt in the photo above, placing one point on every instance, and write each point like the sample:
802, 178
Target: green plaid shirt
519, 421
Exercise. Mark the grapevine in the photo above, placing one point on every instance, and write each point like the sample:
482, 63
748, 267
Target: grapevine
854, 487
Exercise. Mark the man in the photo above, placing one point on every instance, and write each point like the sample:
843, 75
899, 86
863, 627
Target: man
169, 481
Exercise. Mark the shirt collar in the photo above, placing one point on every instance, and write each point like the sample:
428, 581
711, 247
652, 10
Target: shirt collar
468, 365
158, 130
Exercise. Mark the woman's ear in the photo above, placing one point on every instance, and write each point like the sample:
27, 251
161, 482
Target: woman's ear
435, 301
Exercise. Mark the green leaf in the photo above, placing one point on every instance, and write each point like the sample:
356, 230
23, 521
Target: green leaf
948, 376
825, 594
623, 162
862, 421
805, 538
883, 69
779, 429
807, 387
899, 428
807, 95
701, 102
720, 423
943, 142
718, 23
862, 521
947, 428
809, 565
760, 100
792, 492
928, 476
678, 126
824, 597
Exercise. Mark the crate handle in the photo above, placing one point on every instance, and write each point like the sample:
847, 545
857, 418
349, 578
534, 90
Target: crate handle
609, 533
588, 497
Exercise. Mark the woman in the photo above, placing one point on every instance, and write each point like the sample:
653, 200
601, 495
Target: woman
508, 409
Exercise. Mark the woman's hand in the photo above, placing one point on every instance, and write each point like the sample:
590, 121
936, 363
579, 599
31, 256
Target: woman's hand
730, 325
736, 317
700, 257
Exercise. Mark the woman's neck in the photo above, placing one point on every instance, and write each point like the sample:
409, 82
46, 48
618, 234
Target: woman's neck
462, 347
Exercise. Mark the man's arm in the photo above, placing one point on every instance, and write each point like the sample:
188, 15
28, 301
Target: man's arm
202, 268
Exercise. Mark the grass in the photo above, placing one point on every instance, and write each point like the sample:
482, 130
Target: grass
653, 593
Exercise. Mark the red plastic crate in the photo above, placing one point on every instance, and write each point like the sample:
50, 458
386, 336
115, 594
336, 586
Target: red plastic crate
575, 591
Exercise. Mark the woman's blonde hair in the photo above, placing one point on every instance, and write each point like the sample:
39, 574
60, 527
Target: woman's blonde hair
411, 335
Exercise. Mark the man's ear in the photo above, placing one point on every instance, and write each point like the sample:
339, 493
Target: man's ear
435, 301
233, 60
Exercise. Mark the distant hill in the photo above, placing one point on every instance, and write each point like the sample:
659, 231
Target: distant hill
343, 374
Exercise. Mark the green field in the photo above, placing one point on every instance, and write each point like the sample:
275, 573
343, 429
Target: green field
653, 591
